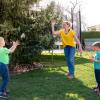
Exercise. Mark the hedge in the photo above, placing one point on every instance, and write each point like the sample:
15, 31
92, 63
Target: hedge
92, 34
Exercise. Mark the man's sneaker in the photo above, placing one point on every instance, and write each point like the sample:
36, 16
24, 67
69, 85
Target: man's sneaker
69, 76
3, 95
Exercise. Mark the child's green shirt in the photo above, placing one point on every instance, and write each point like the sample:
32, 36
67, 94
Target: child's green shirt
4, 55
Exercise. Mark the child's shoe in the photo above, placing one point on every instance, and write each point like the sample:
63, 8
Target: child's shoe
98, 91
95, 89
7, 92
4, 95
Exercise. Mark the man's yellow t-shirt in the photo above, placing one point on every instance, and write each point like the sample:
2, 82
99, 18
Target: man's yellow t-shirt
68, 38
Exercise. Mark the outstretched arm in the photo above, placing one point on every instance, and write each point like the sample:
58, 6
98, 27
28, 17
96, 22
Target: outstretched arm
12, 49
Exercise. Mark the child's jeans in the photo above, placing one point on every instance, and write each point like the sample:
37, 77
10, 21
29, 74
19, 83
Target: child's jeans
5, 77
69, 52
97, 76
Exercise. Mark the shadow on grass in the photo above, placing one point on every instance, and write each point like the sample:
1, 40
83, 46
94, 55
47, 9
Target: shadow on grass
81, 60
59, 60
48, 85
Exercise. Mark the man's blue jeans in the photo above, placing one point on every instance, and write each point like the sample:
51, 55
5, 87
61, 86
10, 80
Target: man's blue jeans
69, 52
5, 77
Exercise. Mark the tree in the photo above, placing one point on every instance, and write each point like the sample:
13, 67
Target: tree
18, 19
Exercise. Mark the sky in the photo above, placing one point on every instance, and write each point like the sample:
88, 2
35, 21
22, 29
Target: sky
89, 9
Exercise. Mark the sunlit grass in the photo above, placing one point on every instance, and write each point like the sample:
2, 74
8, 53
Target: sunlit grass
51, 83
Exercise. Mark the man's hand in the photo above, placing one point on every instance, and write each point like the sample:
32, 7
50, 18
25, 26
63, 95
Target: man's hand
80, 50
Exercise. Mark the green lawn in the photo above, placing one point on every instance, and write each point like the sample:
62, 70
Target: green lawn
51, 82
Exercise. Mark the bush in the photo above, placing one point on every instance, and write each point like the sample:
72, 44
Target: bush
26, 54
92, 34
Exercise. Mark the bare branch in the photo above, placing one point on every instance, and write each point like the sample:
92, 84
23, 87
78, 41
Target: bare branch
74, 4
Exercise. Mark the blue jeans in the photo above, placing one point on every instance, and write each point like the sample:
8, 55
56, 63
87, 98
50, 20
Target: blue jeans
97, 77
5, 77
69, 52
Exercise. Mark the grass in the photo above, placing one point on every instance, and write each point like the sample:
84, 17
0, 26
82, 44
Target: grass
50, 83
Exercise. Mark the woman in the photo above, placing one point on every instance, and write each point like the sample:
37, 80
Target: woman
69, 39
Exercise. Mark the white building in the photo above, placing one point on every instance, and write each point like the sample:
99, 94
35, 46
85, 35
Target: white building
94, 28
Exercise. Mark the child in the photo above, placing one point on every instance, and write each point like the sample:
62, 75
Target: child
4, 61
96, 60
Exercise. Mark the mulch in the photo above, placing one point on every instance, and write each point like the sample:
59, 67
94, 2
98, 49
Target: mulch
22, 68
